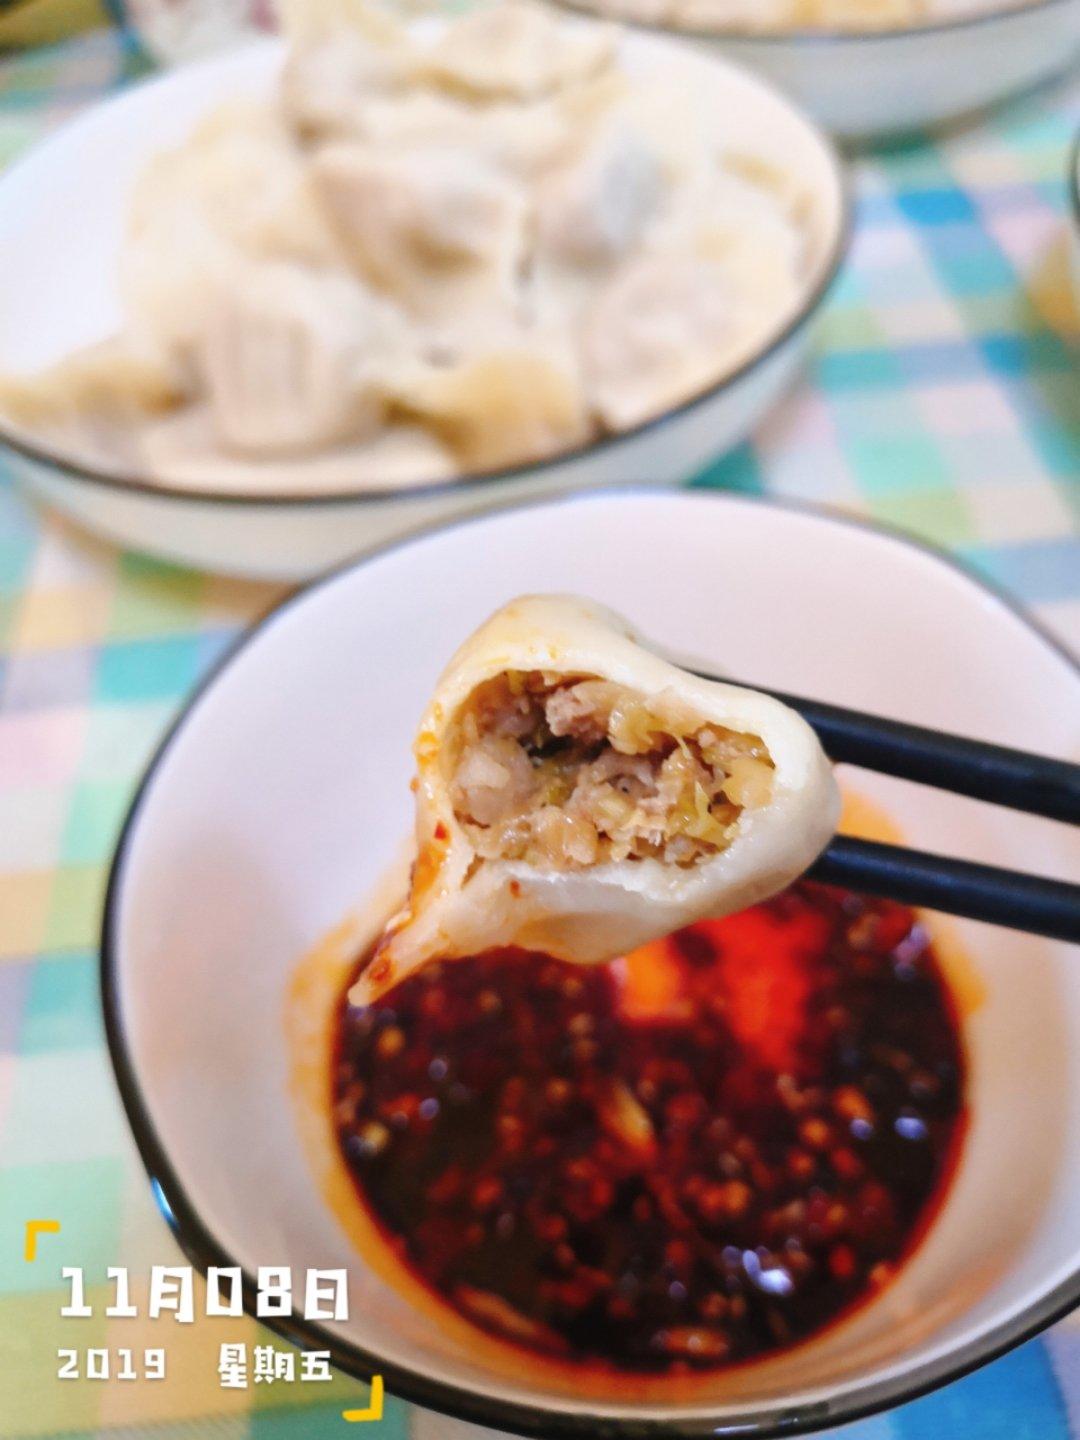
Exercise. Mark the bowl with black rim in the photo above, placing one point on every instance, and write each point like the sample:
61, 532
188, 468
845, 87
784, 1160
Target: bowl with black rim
63, 292
267, 827
881, 83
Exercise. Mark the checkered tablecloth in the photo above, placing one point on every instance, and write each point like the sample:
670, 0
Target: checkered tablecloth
944, 397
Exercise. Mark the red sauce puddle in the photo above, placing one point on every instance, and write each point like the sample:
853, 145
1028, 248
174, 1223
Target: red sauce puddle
700, 1154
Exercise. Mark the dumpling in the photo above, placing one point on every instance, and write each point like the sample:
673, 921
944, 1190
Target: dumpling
591, 212
657, 333
641, 12
503, 406
869, 14
676, 113
183, 449
438, 228
743, 14
117, 381
213, 172
519, 138
340, 54
578, 795
747, 230
517, 49
290, 358
94, 404
237, 186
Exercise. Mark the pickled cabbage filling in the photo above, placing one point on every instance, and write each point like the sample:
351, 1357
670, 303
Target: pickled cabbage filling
571, 771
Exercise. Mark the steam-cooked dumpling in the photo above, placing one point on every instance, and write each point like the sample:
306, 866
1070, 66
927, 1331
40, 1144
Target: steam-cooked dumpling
438, 228
653, 333
866, 14
731, 14
498, 405
590, 212
517, 49
341, 53
326, 87
521, 140
751, 237
117, 379
212, 173
238, 187
94, 403
353, 71
292, 358
578, 795
185, 446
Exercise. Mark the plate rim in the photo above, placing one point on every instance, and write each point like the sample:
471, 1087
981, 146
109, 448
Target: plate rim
202, 1248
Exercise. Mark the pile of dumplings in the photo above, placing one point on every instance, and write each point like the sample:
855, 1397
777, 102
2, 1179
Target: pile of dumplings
780, 16
432, 250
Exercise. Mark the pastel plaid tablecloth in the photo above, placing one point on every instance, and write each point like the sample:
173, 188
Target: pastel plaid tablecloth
944, 397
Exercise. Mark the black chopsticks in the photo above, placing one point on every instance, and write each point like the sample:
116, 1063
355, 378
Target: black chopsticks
959, 887
1014, 778
1037, 784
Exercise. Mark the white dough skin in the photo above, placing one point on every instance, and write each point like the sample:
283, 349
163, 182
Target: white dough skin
462, 903
425, 256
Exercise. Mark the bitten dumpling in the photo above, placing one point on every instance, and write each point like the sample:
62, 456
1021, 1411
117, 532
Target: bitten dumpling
578, 795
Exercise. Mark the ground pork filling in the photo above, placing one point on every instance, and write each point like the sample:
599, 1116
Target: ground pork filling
568, 771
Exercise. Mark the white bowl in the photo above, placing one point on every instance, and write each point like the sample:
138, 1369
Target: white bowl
862, 85
62, 214
281, 795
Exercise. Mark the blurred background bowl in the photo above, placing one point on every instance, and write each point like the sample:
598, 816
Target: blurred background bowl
871, 85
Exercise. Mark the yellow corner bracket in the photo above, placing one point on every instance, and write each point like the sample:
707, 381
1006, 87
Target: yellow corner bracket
375, 1405
34, 1228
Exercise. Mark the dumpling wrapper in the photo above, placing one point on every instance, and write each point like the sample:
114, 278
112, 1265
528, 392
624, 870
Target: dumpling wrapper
593, 210
290, 358
183, 449
437, 228
656, 334
237, 191
518, 48
463, 901
502, 406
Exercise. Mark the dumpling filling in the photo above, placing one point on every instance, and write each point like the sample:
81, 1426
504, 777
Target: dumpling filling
567, 772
